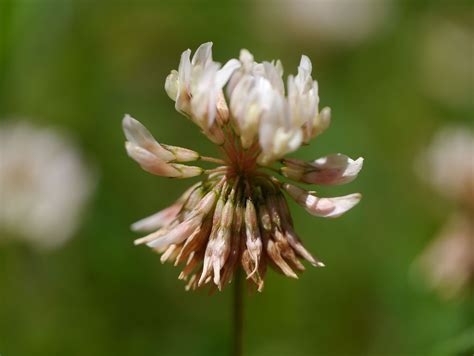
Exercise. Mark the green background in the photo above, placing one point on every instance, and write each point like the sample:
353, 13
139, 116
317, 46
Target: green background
80, 65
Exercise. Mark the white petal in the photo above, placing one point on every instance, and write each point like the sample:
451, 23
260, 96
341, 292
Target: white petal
225, 72
203, 55
246, 58
305, 64
172, 84
204, 96
322, 121
138, 134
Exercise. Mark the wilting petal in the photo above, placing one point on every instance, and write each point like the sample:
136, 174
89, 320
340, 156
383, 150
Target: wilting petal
295, 242
252, 233
138, 134
159, 219
178, 234
330, 170
323, 207
275, 254
151, 163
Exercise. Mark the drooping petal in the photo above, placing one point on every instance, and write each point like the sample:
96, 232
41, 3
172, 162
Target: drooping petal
322, 207
178, 234
159, 219
138, 135
333, 169
150, 162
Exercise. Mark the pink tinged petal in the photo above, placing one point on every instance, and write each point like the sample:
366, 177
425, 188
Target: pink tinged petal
159, 219
138, 134
330, 170
295, 242
151, 163
322, 207
274, 253
333, 170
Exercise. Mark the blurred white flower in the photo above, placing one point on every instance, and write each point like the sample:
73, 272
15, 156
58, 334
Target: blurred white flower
44, 184
448, 165
339, 22
446, 62
448, 261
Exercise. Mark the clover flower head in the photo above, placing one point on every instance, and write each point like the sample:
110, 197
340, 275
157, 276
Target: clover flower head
238, 216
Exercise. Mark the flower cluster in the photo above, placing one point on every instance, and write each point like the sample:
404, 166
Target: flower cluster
238, 215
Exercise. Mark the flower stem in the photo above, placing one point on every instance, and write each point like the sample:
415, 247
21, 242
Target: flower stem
238, 309
212, 159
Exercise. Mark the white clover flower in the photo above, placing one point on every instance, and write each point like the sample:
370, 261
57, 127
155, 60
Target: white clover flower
44, 184
447, 262
445, 61
238, 215
448, 163
335, 22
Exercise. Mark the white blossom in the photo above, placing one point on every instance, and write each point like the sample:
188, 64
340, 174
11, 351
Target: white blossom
44, 184
237, 214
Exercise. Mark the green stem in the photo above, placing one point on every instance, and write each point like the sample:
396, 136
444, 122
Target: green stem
238, 310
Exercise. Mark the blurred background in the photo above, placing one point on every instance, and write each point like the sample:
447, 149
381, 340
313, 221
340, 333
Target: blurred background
71, 281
